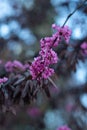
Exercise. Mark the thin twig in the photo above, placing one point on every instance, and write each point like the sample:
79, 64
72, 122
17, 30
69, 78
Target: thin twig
51, 81
78, 7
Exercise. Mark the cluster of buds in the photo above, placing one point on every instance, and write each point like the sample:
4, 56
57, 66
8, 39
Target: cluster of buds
10, 66
40, 67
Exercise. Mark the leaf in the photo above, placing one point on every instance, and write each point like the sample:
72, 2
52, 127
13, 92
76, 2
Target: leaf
4, 109
46, 89
19, 81
25, 90
17, 90
12, 110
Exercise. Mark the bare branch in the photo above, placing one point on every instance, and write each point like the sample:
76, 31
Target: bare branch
78, 7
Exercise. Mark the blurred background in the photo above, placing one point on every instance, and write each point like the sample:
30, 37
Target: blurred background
22, 24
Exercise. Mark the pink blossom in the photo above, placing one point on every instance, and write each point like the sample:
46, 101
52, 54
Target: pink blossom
46, 42
18, 64
62, 32
39, 70
65, 127
37, 67
49, 56
40, 67
9, 66
47, 72
3, 80
84, 47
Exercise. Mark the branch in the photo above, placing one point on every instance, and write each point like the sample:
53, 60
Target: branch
78, 7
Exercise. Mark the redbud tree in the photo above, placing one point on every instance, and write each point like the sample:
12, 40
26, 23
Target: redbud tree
23, 81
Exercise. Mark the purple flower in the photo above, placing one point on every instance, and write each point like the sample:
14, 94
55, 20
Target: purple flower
62, 32
40, 67
47, 72
49, 56
18, 64
65, 127
9, 66
37, 68
46, 42
3, 80
84, 47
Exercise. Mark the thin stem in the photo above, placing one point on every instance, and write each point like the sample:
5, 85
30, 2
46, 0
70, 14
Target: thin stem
78, 7
52, 82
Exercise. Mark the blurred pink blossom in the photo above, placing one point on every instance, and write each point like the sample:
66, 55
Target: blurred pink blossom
84, 47
65, 127
3, 80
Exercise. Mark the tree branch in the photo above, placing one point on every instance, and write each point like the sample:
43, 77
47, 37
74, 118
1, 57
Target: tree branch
78, 7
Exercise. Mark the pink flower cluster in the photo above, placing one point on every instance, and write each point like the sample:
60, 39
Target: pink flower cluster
65, 127
3, 80
84, 47
10, 66
62, 32
40, 67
